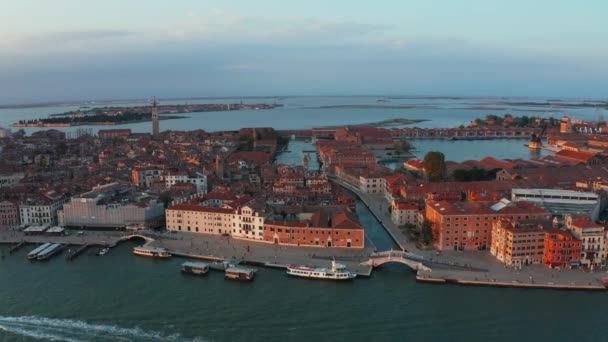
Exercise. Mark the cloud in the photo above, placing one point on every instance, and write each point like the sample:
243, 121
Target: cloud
223, 53
64, 37
224, 26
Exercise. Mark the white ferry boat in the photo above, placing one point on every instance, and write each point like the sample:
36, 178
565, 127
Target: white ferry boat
337, 272
197, 268
156, 252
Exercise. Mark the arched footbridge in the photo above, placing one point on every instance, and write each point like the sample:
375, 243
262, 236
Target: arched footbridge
412, 260
146, 238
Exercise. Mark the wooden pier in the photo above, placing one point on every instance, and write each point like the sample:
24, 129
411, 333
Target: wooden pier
16, 247
73, 254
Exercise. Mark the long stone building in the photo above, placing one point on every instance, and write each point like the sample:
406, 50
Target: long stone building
112, 206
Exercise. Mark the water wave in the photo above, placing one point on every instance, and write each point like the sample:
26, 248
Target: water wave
67, 330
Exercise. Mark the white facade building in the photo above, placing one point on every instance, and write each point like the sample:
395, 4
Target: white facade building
199, 219
242, 222
112, 206
10, 180
248, 223
371, 184
41, 211
5, 132
592, 236
403, 212
200, 180
561, 202
143, 177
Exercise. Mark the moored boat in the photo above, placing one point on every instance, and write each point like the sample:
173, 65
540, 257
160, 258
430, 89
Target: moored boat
239, 273
34, 253
156, 252
337, 272
103, 251
49, 251
197, 268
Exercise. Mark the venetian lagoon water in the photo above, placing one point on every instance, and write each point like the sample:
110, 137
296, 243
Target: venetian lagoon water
308, 112
121, 297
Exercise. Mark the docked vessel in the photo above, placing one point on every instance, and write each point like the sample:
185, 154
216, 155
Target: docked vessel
337, 272
197, 268
34, 253
49, 251
103, 251
239, 273
155, 252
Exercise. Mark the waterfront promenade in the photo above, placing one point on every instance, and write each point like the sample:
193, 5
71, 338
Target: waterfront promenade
213, 247
465, 268
495, 274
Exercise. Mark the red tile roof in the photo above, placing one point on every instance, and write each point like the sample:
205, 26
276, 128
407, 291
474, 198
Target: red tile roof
581, 156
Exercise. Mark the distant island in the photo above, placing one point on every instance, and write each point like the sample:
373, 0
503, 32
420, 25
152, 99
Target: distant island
128, 115
583, 104
102, 119
511, 109
384, 123
509, 120
379, 107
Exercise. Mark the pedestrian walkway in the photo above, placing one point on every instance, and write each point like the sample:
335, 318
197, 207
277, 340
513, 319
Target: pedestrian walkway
379, 208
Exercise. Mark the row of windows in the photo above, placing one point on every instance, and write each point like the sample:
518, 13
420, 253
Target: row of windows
581, 198
447, 232
486, 218
526, 241
466, 225
294, 231
525, 254
528, 247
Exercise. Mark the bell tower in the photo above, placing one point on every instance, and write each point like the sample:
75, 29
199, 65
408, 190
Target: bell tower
155, 126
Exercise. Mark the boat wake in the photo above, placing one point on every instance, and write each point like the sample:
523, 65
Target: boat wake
67, 330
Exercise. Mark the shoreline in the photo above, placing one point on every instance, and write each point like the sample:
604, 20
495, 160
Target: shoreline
462, 282
279, 257
380, 124
108, 123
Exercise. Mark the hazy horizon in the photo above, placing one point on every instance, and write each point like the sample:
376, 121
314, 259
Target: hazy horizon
68, 51
34, 104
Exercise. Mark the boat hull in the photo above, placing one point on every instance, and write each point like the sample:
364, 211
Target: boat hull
238, 278
153, 254
194, 271
322, 277
197, 273
49, 252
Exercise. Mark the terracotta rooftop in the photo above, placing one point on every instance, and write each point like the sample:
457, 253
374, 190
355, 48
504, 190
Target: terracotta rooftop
581, 156
200, 208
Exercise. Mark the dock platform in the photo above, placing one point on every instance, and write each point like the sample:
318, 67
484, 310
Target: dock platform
72, 254
16, 247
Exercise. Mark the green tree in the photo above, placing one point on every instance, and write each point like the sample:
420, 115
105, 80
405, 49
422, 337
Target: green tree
434, 166
475, 174
524, 121
427, 232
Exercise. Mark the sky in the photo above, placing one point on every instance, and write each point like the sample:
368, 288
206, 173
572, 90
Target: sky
73, 50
